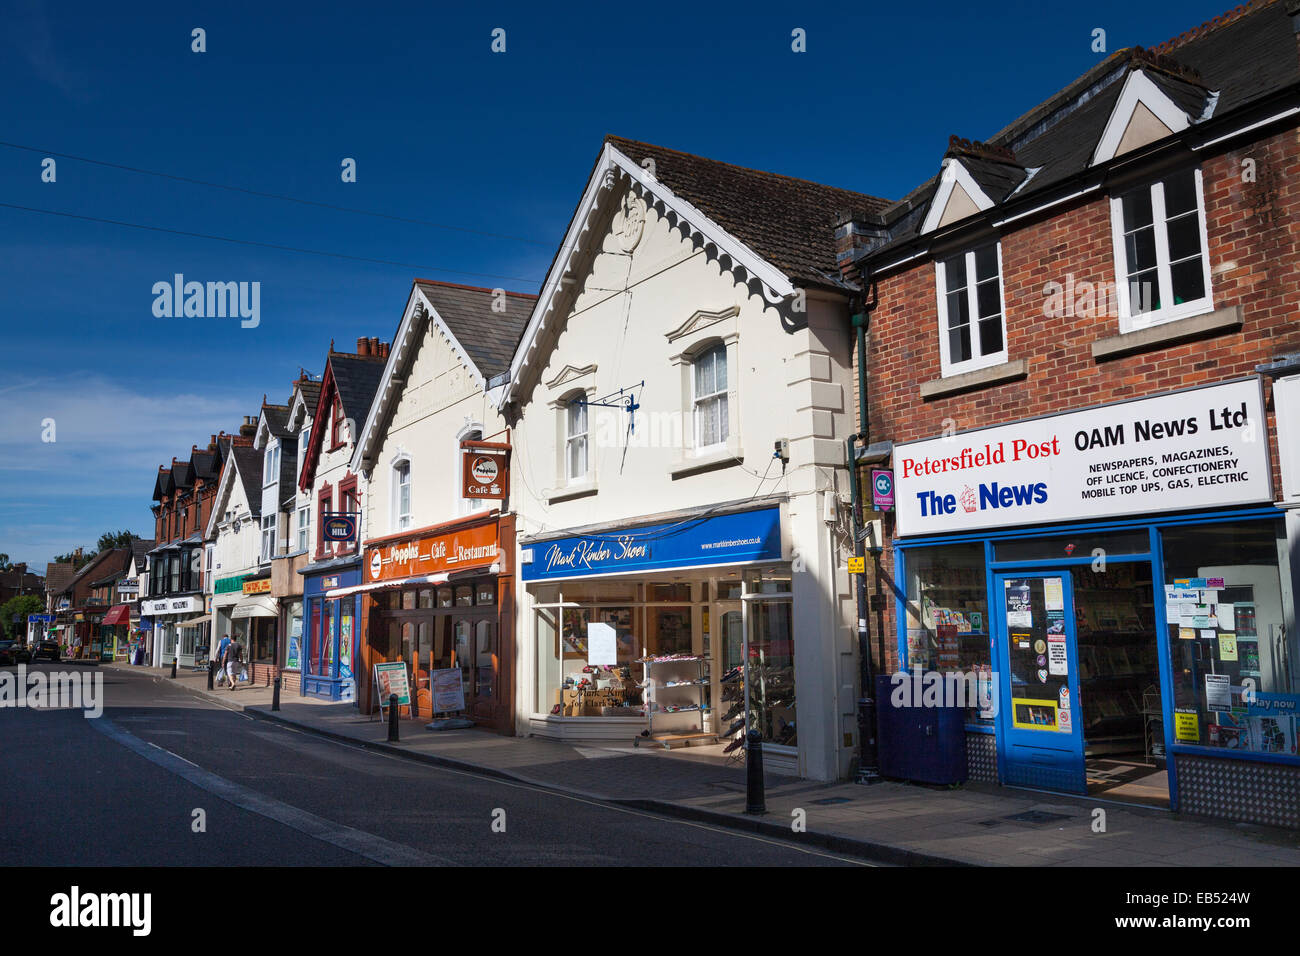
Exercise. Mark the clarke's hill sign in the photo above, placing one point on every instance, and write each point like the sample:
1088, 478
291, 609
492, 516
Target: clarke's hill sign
1200, 448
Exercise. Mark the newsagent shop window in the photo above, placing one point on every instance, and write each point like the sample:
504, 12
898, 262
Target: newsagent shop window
1161, 261
972, 328
947, 618
1234, 680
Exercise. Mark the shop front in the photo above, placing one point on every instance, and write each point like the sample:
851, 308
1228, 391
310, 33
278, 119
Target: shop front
441, 600
255, 619
329, 652
175, 636
671, 632
115, 632
1111, 588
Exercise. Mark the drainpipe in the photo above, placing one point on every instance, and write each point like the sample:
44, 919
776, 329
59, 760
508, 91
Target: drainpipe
867, 762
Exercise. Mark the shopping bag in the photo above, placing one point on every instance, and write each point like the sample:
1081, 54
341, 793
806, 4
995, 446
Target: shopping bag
243, 675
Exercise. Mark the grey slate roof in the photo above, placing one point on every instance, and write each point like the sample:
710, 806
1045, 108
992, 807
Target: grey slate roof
489, 337
789, 222
356, 378
249, 462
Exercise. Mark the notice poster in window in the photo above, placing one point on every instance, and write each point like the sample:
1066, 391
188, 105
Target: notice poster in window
1227, 647
1058, 662
447, 687
602, 645
1053, 596
1227, 617
1187, 726
1019, 610
948, 647
1218, 692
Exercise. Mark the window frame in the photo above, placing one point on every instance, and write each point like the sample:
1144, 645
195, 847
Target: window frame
402, 520
570, 437
976, 362
303, 528
1128, 322
713, 348
271, 464
267, 548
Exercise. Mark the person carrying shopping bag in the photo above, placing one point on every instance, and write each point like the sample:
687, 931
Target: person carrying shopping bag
234, 662
221, 658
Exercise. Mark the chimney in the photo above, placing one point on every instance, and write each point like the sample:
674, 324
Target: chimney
856, 234
374, 345
381, 349
363, 346
249, 428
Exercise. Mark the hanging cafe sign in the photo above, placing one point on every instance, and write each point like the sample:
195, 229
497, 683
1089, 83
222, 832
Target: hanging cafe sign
484, 469
1198, 448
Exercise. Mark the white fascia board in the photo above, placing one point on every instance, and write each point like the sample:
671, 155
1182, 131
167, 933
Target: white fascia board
400, 356
228, 472
1138, 88
953, 174
776, 285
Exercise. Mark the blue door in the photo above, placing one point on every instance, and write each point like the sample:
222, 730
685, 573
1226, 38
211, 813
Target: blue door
1040, 737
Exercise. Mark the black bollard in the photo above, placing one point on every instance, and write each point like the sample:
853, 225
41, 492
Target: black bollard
212, 671
392, 718
174, 659
275, 694
755, 800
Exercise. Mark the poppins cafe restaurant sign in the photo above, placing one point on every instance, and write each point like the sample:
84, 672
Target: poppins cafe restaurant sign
1198, 448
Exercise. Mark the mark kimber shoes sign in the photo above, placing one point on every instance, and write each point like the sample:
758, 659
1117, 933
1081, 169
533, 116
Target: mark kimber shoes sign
1199, 448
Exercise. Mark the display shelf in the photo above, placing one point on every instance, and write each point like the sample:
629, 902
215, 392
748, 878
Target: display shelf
667, 681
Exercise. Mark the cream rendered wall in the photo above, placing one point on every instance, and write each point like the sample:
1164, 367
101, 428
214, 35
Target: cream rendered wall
441, 399
236, 551
782, 385
332, 468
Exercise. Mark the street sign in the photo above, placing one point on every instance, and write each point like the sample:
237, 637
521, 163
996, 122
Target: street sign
857, 565
882, 489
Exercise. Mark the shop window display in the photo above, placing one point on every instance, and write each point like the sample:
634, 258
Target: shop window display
1234, 680
947, 617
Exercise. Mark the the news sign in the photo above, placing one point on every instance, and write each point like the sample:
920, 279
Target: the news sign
1200, 448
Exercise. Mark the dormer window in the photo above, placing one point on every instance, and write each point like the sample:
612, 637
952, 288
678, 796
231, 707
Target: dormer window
972, 322
1163, 269
271, 464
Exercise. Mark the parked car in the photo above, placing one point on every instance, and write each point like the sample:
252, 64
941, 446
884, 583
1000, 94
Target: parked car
47, 649
14, 652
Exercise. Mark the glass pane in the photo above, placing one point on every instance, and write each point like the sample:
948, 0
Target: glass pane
599, 592
423, 645
723, 425
1140, 247
1035, 616
444, 597
548, 661
486, 593
1188, 279
485, 660
959, 344
1144, 292
958, 309
669, 592
704, 374
986, 263
991, 335
668, 630
1082, 545
464, 652
770, 672
987, 299
729, 589
1180, 193
425, 598
954, 271
720, 368
1184, 238
464, 596
947, 617
1227, 625
408, 600
1137, 209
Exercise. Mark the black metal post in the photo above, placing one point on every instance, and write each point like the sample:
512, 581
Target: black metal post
174, 660
755, 799
275, 694
212, 673
392, 718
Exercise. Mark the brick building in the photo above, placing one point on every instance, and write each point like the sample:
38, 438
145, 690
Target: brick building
184, 495
1073, 345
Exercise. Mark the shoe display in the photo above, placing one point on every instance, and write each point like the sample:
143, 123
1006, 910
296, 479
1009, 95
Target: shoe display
738, 742
736, 708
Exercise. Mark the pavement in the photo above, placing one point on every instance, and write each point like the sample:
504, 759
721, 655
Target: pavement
887, 822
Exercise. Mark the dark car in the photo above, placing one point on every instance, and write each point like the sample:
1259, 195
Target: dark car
49, 650
14, 652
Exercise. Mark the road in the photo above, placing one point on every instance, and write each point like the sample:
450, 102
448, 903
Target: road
167, 778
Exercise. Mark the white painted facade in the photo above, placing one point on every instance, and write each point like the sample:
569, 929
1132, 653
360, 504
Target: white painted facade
234, 531
646, 307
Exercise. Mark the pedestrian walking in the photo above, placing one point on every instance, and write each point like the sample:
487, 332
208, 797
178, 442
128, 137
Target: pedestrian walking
221, 658
234, 660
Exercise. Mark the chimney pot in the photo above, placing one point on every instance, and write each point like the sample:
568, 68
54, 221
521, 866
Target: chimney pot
363, 346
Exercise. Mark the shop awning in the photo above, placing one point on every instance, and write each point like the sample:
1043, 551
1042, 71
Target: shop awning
194, 621
378, 585
255, 607
117, 614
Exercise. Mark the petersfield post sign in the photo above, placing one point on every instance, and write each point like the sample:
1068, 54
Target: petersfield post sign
1199, 448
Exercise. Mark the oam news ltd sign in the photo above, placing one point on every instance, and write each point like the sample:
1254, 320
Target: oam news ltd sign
1199, 448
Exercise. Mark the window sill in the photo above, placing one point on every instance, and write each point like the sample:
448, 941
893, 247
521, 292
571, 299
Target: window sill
1217, 322
579, 489
980, 378
691, 463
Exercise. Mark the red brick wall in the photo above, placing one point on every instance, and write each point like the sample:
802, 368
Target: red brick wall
1254, 244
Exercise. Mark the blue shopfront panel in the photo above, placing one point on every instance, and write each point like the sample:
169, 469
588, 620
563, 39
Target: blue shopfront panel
743, 537
325, 621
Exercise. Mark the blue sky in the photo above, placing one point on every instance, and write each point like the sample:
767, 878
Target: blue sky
442, 130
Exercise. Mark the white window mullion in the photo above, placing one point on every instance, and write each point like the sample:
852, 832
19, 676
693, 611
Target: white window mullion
1161, 229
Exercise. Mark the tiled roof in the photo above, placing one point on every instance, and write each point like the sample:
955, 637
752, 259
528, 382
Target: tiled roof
249, 462
788, 222
489, 337
57, 576
277, 417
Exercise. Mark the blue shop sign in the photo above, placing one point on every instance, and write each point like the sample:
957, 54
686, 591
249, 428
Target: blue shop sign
692, 542
314, 585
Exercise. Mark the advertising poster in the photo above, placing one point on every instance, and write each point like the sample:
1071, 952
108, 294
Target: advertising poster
1019, 611
1058, 663
448, 690
391, 678
602, 645
345, 648
1218, 692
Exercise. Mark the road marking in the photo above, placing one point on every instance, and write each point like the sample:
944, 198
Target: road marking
368, 845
